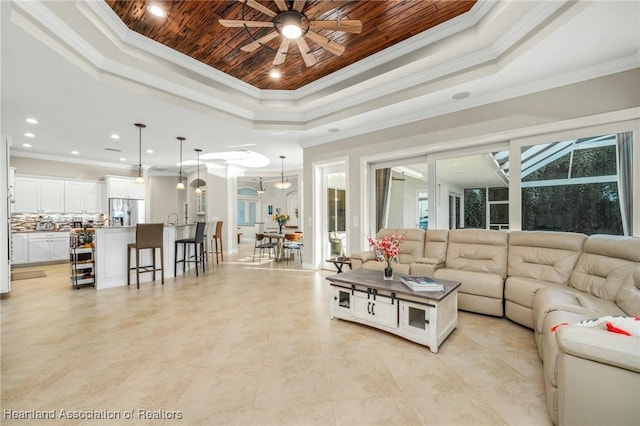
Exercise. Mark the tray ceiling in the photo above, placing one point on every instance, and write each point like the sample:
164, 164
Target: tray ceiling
192, 28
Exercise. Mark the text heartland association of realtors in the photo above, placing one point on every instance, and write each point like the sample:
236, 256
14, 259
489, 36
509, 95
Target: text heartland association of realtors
62, 414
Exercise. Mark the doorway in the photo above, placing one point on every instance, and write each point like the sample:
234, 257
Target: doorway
333, 206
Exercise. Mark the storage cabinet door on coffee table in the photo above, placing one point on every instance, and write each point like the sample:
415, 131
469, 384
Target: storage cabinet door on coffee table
375, 308
341, 300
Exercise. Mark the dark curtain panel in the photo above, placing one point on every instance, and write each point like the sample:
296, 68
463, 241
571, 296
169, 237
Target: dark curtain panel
383, 184
625, 176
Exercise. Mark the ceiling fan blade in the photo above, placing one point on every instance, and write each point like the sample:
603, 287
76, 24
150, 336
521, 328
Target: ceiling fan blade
282, 5
347, 26
229, 23
328, 45
307, 56
257, 6
282, 51
259, 42
298, 5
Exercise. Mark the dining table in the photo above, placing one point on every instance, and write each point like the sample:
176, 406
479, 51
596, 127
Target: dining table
278, 238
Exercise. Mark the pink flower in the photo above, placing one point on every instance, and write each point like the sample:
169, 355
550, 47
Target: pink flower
388, 248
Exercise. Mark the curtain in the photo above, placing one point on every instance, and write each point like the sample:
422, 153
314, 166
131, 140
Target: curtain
625, 176
383, 185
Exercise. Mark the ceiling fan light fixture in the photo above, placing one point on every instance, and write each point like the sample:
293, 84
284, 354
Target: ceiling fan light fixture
291, 31
290, 24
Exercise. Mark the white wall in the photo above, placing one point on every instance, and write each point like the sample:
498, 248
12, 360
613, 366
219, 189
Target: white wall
165, 199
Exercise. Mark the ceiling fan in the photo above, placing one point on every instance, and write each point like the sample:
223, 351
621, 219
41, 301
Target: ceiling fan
292, 24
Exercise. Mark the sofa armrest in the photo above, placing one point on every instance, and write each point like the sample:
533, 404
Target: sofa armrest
364, 256
600, 346
425, 266
360, 257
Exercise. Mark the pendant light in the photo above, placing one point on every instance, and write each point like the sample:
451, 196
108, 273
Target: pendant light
260, 189
180, 185
283, 184
198, 190
140, 179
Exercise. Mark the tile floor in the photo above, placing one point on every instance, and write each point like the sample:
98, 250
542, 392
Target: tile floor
250, 344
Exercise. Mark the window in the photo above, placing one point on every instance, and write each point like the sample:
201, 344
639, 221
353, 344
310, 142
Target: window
473, 191
248, 206
423, 210
573, 186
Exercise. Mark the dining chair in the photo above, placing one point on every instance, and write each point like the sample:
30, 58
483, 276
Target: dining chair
148, 236
262, 244
292, 242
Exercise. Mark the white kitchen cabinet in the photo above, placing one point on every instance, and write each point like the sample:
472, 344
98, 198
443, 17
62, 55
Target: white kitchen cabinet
124, 188
48, 246
34, 195
19, 248
82, 197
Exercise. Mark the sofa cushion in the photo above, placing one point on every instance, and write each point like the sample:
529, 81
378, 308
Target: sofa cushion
544, 256
567, 299
521, 289
606, 261
436, 245
480, 284
478, 250
628, 297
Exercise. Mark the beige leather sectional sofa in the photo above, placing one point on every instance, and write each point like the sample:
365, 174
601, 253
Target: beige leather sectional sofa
541, 280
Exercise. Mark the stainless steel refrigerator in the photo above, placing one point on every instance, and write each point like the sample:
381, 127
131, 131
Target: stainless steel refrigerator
125, 211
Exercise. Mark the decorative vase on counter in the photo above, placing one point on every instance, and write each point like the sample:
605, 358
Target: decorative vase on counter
388, 273
280, 228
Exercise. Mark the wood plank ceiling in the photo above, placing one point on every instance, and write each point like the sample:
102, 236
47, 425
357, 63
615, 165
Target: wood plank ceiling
192, 27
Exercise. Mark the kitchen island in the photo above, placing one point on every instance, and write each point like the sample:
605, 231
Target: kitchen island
111, 256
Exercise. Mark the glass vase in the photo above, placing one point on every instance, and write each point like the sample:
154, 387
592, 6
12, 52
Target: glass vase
280, 228
388, 273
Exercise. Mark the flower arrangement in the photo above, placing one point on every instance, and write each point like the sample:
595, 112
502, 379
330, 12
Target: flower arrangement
388, 248
280, 218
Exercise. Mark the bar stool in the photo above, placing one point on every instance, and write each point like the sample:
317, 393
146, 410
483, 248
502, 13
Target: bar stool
218, 237
148, 236
198, 243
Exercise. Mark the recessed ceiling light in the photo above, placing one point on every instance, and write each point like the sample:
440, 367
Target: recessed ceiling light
461, 95
26, 145
31, 120
115, 136
157, 11
275, 74
123, 159
75, 152
30, 135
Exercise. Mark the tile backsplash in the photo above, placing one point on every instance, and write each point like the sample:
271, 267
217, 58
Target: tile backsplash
28, 222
